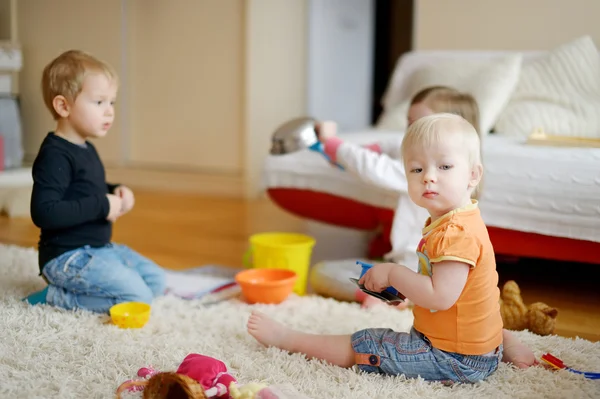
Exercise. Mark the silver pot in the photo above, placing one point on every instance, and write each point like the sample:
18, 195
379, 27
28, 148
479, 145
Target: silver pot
295, 135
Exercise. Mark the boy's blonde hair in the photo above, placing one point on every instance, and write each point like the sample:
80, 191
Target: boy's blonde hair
434, 128
64, 76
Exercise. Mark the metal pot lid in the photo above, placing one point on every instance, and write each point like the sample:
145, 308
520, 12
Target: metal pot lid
294, 135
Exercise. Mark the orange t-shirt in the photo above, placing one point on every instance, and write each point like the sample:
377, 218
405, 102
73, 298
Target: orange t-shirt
473, 325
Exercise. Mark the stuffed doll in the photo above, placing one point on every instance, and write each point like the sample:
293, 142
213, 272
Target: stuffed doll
201, 377
209, 372
197, 377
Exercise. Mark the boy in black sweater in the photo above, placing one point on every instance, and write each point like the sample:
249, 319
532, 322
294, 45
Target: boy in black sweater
74, 206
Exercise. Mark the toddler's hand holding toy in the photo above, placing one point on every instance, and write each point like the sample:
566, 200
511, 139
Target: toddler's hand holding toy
377, 278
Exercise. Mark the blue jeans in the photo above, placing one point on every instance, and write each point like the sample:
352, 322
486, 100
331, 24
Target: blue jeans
97, 278
384, 351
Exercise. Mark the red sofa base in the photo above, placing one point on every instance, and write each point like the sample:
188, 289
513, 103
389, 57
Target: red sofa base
344, 212
532, 245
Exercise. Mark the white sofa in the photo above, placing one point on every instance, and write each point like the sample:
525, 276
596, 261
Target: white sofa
541, 191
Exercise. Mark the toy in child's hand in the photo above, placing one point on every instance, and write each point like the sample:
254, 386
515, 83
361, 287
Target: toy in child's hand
558, 364
383, 295
365, 267
538, 318
296, 135
389, 295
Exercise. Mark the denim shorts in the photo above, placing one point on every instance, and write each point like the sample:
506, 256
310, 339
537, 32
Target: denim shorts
385, 351
95, 279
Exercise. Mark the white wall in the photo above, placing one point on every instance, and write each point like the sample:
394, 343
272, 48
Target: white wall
503, 24
340, 61
42, 39
274, 76
206, 83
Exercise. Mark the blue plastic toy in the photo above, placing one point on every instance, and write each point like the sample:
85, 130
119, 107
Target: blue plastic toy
559, 365
366, 266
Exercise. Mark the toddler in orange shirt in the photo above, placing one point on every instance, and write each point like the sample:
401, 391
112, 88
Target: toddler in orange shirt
457, 332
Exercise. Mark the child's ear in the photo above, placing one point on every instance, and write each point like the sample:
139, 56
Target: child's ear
476, 175
61, 106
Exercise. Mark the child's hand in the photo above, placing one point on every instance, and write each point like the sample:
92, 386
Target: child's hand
127, 197
377, 278
325, 130
116, 205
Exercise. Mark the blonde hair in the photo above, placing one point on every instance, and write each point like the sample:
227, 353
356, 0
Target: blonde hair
446, 99
432, 129
65, 74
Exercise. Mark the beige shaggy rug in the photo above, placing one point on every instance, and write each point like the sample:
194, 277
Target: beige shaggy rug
50, 353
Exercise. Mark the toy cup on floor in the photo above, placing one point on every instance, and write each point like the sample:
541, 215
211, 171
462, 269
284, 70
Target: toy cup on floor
271, 286
289, 251
130, 314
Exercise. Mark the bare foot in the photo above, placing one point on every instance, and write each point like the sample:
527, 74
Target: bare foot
519, 355
266, 330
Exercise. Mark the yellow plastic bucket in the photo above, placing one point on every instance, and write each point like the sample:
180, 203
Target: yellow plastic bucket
288, 251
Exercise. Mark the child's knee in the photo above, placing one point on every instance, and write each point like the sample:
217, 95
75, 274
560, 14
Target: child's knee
157, 281
139, 293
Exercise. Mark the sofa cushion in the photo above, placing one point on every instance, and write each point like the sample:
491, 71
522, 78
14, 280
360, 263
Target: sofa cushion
558, 93
491, 81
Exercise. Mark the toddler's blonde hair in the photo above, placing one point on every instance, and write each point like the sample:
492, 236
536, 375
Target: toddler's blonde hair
432, 129
64, 76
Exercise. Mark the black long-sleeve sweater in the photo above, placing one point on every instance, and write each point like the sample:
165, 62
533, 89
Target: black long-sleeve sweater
69, 202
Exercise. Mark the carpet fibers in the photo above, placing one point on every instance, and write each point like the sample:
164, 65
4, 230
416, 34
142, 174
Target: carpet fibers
51, 353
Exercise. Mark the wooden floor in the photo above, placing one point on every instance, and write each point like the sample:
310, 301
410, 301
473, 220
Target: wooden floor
181, 231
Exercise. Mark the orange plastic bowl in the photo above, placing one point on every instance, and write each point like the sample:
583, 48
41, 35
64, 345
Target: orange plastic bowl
266, 285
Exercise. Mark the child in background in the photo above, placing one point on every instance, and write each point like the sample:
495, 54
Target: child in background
72, 203
457, 334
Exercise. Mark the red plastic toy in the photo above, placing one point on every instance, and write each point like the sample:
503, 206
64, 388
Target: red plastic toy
559, 365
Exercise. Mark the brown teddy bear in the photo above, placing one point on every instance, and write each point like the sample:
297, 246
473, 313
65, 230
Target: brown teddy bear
538, 318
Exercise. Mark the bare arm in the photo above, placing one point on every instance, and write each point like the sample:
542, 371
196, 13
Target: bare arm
438, 292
